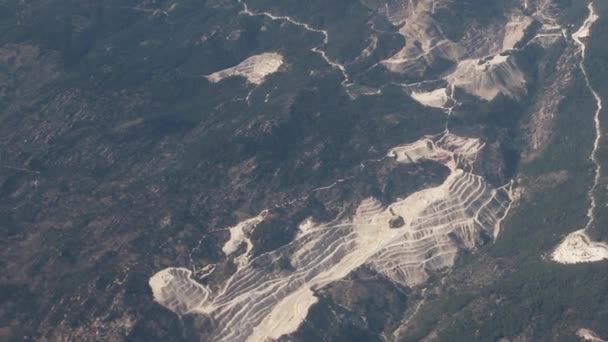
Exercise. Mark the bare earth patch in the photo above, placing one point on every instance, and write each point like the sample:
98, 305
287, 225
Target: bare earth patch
254, 69
270, 295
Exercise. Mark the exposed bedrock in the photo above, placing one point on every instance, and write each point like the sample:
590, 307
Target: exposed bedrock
270, 295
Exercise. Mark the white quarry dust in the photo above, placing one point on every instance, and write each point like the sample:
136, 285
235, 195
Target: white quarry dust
435, 98
588, 335
254, 68
483, 67
270, 295
497, 75
239, 234
577, 247
306, 226
169, 289
286, 316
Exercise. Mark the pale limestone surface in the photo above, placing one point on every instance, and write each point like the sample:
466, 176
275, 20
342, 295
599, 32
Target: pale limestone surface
254, 69
263, 300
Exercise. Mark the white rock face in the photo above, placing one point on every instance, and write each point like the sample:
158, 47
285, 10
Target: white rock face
496, 75
286, 316
435, 98
239, 234
482, 68
270, 296
442, 150
577, 247
174, 289
588, 335
254, 68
